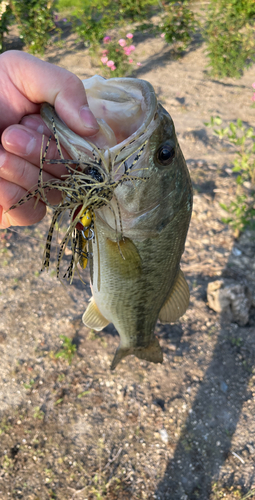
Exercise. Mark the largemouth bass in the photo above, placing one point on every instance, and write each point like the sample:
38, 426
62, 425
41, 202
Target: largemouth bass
140, 229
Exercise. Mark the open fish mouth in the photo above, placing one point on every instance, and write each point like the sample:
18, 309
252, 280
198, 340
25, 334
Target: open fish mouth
125, 109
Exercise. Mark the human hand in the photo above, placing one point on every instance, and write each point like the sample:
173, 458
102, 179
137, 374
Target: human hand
25, 83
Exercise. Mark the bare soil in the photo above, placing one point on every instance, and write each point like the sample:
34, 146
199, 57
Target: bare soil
183, 430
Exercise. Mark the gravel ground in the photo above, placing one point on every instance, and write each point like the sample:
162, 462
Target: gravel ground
183, 430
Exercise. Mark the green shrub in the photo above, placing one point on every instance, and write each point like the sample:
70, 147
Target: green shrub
136, 10
68, 350
34, 18
230, 36
128, 9
178, 24
91, 30
117, 56
91, 18
242, 209
5, 19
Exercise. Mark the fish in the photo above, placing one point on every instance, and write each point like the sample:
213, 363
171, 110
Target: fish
141, 224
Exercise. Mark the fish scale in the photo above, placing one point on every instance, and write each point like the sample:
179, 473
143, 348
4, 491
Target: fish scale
140, 233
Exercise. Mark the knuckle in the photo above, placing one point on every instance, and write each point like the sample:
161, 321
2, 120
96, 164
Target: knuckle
22, 171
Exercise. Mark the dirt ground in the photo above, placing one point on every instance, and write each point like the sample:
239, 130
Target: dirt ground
183, 430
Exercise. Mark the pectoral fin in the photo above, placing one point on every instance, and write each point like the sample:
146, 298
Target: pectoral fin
177, 302
92, 317
124, 257
151, 353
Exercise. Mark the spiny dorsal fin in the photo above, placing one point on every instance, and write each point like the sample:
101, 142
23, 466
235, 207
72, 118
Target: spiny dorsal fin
177, 302
151, 353
92, 317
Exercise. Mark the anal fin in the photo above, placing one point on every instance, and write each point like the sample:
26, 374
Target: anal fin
151, 353
177, 302
92, 317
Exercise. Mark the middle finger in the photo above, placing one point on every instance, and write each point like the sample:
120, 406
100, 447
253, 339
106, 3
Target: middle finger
27, 143
21, 173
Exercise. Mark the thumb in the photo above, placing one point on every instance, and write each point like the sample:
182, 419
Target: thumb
38, 81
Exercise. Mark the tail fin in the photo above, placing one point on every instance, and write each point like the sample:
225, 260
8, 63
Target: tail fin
151, 353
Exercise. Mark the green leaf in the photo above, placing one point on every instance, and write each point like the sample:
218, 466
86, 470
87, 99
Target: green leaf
58, 401
83, 394
249, 133
217, 120
236, 168
232, 127
222, 205
60, 354
226, 221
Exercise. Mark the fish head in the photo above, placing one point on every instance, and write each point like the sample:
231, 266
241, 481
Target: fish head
137, 148
157, 183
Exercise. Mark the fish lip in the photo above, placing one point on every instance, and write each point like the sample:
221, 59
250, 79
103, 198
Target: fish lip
150, 105
83, 150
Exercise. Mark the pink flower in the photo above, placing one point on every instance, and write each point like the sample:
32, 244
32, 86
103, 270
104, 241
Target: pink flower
130, 61
104, 59
106, 39
162, 35
104, 52
253, 85
122, 42
138, 64
127, 51
129, 35
253, 97
110, 64
113, 68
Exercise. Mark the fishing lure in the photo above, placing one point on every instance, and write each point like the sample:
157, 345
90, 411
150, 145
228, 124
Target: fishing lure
87, 186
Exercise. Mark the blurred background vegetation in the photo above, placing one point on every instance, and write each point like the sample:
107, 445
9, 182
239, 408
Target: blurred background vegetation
226, 26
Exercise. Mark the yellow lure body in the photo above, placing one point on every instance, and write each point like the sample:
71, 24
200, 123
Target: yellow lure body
86, 221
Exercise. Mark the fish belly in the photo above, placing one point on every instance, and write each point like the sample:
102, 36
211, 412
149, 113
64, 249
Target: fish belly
130, 283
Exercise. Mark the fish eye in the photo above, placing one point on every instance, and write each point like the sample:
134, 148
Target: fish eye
165, 154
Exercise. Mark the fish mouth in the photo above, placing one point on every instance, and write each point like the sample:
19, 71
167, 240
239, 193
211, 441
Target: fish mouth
126, 112
126, 105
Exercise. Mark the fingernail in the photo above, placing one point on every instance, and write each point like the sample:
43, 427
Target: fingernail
35, 123
88, 118
19, 141
2, 156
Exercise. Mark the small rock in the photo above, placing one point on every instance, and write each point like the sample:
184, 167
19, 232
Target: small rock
164, 435
251, 449
231, 299
172, 347
159, 402
223, 387
236, 252
2, 336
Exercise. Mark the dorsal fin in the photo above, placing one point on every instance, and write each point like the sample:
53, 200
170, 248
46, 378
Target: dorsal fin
92, 317
177, 302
